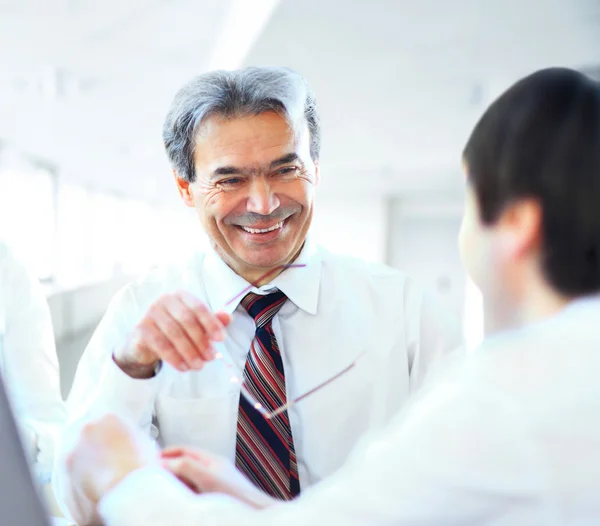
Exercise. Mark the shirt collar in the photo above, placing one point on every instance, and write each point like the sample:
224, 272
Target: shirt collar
300, 285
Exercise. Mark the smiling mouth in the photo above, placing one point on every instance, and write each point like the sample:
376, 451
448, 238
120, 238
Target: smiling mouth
277, 226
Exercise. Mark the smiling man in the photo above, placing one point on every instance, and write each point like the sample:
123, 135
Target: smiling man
184, 354
254, 189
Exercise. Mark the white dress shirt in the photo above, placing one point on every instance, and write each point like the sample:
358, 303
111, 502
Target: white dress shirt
509, 436
28, 361
337, 308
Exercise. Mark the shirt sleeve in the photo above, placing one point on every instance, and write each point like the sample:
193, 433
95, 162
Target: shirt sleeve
100, 387
166, 501
447, 459
434, 336
29, 363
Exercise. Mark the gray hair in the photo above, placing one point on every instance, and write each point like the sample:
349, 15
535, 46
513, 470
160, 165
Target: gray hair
247, 91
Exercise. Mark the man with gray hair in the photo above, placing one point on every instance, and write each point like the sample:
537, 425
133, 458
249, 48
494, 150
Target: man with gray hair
184, 354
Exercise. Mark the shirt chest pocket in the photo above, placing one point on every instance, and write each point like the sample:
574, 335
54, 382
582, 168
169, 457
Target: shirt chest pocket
199, 409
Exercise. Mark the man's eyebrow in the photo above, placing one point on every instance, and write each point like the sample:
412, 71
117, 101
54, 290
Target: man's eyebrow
226, 170
286, 159
235, 170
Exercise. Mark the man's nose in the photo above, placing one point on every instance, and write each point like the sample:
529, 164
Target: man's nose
261, 198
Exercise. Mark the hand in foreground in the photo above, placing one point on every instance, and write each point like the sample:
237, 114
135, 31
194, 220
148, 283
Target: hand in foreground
106, 451
178, 329
204, 472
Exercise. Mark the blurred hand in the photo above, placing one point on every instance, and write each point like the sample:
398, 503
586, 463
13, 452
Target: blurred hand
204, 472
178, 329
106, 451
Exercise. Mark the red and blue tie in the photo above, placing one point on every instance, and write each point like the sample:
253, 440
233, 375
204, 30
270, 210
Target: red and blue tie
265, 447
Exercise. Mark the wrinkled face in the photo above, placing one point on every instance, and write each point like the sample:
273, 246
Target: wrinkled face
254, 190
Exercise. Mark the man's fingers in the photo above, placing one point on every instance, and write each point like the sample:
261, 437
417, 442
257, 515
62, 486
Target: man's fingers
213, 326
171, 452
179, 451
190, 485
152, 339
223, 317
188, 469
178, 329
174, 469
178, 337
192, 327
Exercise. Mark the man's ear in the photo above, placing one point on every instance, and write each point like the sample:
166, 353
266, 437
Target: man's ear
185, 190
521, 226
317, 173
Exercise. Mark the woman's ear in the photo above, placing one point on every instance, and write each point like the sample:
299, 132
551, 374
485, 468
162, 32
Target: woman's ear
521, 226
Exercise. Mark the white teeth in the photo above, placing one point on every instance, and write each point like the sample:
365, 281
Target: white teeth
262, 230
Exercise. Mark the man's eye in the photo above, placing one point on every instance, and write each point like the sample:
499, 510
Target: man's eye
289, 170
231, 181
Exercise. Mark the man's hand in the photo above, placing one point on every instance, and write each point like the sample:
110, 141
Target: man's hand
204, 472
178, 329
106, 451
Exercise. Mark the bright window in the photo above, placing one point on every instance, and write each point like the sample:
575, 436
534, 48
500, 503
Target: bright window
75, 235
27, 215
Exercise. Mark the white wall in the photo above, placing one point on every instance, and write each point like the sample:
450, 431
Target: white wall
75, 314
418, 235
352, 225
423, 236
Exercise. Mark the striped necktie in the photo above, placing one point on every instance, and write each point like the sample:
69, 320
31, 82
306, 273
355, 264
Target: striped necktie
265, 447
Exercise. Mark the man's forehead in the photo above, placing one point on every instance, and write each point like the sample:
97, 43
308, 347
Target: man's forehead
220, 128
246, 156
253, 140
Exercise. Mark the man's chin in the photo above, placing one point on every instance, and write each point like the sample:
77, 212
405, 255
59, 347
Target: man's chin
267, 260
265, 264
265, 255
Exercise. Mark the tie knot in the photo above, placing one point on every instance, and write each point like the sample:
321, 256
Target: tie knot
263, 308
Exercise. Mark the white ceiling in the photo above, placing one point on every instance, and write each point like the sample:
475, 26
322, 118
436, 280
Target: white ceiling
85, 84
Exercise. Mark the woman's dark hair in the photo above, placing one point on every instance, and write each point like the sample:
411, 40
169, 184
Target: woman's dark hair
541, 140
